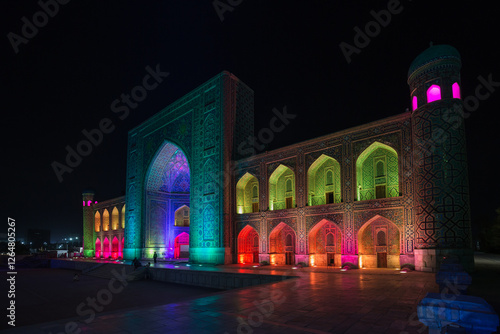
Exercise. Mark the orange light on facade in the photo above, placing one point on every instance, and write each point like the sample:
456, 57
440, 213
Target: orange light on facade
241, 258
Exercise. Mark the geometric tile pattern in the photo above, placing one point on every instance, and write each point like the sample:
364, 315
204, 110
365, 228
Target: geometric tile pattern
442, 187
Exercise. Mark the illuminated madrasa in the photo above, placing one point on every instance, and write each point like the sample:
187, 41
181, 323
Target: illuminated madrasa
382, 194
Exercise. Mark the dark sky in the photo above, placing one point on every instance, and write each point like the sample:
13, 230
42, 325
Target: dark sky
65, 77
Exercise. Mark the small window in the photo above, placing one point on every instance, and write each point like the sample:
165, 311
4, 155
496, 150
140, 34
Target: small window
288, 202
455, 90
256, 241
289, 240
329, 239
380, 169
288, 185
433, 93
329, 178
255, 192
414, 103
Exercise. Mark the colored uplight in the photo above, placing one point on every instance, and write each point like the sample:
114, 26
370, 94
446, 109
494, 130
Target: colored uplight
414, 103
343, 269
433, 93
456, 90
188, 265
89, 203
83, 203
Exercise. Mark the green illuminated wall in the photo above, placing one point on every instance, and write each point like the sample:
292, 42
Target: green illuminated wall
245, 193
319, 182
366, 171
277, 188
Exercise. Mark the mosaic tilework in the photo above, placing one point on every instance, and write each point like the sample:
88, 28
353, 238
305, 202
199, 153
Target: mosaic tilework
194, 124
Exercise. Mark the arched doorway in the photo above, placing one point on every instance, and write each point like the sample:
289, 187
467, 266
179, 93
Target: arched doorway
325, 244
114, 248
282, 189
105, 252
181, 246
167, 182
377, 174
379, 244
97, 248
247, 194
323, 181
248, 245
282, 245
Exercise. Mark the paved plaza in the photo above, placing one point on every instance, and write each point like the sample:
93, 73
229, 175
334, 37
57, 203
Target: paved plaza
319, 300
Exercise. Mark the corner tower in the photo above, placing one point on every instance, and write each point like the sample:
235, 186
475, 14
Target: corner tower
442, 211
88, 223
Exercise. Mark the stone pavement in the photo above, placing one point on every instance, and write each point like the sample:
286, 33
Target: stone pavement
320, 300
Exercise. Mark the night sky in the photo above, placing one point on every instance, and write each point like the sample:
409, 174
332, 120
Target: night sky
65, 76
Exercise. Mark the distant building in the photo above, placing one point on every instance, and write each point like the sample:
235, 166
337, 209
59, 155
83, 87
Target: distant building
36, 238
381, 194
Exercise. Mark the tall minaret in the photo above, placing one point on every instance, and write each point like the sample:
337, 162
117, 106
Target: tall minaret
88, 223
442, 211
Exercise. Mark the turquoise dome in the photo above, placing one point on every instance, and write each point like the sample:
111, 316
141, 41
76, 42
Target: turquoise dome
433, 53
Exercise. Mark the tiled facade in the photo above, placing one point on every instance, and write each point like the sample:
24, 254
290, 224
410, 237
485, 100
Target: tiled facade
386, 193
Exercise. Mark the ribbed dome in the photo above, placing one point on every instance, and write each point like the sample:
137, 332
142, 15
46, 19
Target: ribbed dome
433, 53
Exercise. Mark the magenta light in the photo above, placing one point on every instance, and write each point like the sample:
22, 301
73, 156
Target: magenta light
89, 203
414, 103
433, 93
83, 203
456, 90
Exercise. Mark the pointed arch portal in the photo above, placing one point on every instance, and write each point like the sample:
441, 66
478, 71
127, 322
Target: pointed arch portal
248, 245
181, 246
282, 245
377, 172
167, 191
379, 243
98, 252
105, 248
325, 244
